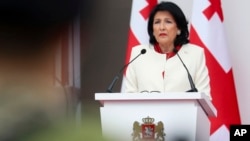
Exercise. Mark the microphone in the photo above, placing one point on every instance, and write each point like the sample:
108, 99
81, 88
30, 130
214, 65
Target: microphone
143, 51
192, 85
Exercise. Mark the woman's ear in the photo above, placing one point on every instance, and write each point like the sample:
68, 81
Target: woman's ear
178, 32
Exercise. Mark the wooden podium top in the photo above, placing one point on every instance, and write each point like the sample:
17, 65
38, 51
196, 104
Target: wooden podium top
202, 99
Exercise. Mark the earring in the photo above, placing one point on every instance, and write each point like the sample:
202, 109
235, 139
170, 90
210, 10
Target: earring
178, 32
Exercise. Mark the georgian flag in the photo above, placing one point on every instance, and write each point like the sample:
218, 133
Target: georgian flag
138, 26
207, 31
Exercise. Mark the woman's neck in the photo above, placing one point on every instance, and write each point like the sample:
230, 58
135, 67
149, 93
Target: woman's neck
166, 48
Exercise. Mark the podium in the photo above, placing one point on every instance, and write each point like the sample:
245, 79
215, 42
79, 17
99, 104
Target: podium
177, 116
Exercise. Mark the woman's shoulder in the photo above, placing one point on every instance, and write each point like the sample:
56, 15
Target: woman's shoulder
140, 47
192, 47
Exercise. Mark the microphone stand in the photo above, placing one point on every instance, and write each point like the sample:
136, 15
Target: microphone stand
143, 51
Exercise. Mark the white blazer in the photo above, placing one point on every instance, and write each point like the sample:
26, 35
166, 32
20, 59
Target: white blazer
145, 73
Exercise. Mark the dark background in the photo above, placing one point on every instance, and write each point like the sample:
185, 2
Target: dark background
27, 26
104, 48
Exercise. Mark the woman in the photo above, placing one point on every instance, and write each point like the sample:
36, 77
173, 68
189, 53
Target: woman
162, 67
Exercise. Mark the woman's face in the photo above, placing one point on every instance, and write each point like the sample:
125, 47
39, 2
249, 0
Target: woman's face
164, 28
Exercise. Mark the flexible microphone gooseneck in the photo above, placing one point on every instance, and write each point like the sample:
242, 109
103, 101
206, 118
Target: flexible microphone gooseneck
143, 51
192, 85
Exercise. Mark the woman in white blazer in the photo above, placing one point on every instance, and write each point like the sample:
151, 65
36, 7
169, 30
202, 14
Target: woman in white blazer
169, 57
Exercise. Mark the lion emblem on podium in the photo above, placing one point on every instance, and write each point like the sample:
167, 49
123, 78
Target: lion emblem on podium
148, 131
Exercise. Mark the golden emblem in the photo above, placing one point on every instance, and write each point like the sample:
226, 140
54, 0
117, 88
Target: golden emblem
148, 131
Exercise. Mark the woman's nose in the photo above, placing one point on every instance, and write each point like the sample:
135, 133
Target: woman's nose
162, 26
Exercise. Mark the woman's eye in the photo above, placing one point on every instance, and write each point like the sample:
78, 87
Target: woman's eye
169, 21
156, 22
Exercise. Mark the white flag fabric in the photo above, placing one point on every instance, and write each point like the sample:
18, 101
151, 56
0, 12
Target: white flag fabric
138, 25
207, 31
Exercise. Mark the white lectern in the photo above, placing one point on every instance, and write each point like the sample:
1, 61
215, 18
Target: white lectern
155, 116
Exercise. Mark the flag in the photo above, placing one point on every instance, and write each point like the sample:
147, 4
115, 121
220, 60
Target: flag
138, 26
207, 31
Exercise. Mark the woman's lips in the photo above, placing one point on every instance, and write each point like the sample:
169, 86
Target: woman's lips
163, 34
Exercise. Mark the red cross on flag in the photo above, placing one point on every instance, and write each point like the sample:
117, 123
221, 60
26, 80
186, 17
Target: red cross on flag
138, 25
207, 31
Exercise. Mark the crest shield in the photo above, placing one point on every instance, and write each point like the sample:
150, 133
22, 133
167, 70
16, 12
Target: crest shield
148, 131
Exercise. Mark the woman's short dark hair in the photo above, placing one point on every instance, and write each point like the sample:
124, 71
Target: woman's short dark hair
179, 18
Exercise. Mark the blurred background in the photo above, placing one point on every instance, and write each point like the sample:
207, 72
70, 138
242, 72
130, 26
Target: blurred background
56, 54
